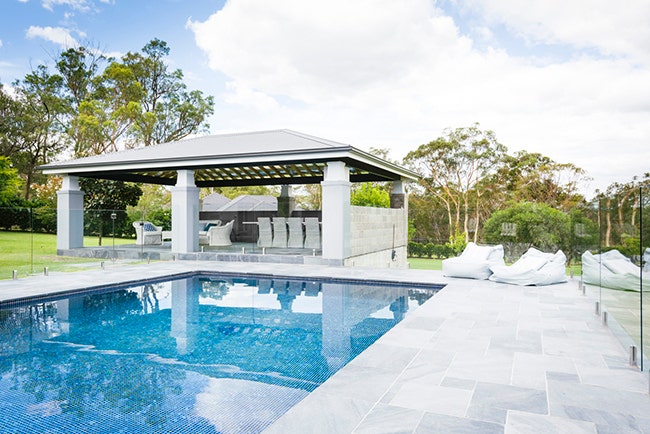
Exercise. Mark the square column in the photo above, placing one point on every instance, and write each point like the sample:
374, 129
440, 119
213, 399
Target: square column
336, 211
69, 215
286, 201
398, 195
185, 213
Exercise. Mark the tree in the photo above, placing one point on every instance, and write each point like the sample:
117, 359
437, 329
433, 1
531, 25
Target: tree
114, 105
171, 111
309, 196
537, 225
618, 208
105, 120
233, 192
533, 177
427, 219
30, 115
453, 169
104, 197
370, 195
10, 182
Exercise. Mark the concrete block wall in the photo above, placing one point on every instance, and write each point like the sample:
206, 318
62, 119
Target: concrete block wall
374, 234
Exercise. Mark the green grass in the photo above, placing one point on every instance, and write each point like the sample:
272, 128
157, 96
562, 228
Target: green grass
425, 264
436, 264
29, 253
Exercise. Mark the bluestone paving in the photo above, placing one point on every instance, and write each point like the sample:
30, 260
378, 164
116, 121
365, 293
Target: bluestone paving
477, 357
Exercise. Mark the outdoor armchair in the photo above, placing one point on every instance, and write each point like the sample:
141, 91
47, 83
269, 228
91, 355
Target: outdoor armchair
146, 233
220, 235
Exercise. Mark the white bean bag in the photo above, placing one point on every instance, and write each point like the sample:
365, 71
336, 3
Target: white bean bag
613, 270
474, 262
533, 268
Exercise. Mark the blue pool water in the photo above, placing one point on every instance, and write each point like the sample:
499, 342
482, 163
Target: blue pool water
206, 354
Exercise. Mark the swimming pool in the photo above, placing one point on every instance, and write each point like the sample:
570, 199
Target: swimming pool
205, 354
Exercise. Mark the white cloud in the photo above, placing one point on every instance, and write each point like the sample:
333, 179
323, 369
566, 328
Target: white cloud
395, 74
242, 95
57, 35
617, 29
0, 43
80, 5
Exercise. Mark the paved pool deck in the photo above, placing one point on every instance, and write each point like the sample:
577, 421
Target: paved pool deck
478, 357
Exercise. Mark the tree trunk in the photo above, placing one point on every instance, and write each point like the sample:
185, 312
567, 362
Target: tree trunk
608, 221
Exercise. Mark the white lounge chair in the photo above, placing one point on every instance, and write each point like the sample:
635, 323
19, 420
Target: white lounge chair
265, 237
533, 268
279, 232
312, 233
613, 270
474, 262
296, 236
146, 233
220, 235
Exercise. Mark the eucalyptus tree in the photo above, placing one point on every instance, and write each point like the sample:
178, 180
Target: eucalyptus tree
170, 111
533, 177
104, 121
112, 104
131, 102
454, 168
619, 210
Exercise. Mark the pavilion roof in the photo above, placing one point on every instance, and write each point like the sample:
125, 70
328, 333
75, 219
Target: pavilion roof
256, 158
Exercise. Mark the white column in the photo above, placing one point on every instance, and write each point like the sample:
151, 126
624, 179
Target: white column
336, 211
185, 213
70, 215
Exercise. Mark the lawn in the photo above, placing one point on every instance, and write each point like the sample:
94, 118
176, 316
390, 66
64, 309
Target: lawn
436, 264
29, 253
425, 264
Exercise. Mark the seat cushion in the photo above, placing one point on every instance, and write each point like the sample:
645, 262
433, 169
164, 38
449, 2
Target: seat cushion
149, 227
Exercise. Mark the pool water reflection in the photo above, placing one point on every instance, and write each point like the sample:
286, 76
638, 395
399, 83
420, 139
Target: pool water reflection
200, 355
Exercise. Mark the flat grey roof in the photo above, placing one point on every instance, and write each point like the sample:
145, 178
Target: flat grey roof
255, 158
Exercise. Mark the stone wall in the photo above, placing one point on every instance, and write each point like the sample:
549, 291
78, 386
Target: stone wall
374, 234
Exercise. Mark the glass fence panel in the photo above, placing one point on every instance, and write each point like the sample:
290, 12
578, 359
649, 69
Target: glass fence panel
615, 268
28, 244
28, 241
644, 295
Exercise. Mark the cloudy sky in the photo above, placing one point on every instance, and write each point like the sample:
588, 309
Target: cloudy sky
566, 78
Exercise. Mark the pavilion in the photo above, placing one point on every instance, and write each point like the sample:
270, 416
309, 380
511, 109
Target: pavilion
277, 157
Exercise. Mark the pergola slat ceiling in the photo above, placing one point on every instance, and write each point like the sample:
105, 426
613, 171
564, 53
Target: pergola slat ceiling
292, 173
258, 158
